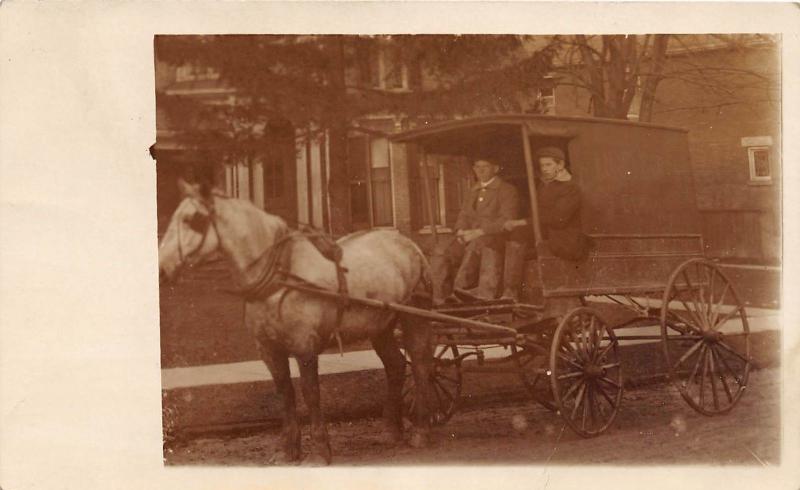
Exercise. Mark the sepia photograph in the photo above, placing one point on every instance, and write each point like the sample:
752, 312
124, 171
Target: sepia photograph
399, 244
474, 249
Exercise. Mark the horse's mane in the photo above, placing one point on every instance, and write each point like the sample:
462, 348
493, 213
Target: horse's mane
262, 227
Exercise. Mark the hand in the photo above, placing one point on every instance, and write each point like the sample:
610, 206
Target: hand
470, 235
514, 223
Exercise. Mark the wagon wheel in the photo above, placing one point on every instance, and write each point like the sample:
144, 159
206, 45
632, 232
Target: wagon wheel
585, 372
706, 338
529, 361
445, 382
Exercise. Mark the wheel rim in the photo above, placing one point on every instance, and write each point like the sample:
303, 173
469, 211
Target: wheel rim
534, 380
585, 372
445, 382
705, 337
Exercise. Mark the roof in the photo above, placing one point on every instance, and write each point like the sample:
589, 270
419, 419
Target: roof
481, 123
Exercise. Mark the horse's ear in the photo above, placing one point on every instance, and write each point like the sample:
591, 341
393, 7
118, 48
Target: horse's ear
187, 189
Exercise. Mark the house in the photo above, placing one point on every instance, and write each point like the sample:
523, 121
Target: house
734, 145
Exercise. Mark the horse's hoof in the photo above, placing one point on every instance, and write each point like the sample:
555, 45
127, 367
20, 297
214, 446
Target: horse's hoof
281, 458
316, 459
418, 440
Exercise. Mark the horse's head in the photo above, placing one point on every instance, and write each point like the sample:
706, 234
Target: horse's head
191, 234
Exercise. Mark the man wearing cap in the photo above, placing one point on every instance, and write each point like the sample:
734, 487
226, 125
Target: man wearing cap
478, 248
559, 202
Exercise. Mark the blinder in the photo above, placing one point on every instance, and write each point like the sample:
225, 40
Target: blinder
199, 222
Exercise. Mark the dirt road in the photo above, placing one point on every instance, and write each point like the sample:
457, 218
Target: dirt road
654, 426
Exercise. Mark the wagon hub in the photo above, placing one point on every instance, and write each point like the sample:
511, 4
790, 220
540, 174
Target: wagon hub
594, 371
712, 336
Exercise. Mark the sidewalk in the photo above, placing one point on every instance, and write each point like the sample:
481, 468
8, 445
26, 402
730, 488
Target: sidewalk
759, 320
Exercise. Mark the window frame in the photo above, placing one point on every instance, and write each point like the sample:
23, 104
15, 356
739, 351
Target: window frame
441, 224
369, 183
751, 159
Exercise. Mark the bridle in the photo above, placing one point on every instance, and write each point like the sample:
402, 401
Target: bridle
201, 223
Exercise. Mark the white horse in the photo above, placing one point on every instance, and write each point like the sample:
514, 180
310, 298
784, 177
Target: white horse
262, 251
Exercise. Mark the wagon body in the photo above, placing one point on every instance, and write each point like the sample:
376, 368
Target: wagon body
637, 191
638, 205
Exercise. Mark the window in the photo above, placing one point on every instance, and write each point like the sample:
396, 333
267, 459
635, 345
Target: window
547, 96
758, 157
189, 73
759, 149
273, 179
419, 209
383, 67
369, 171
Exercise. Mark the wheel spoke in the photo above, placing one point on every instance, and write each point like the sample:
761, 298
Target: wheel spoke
611, 382
441, 376
444, 390
713, 381
607, 348
718, 304
605, 395
573, 374
728, 367
584, 342
732, 351
570, 361
675, 316
727, 317
703, 380
722, 380
572, 389
593, 404
598, 403
597, 337
585, 406
576, 349
611, 365
691, 377
710, 303
688, 353
578, 400
692, 297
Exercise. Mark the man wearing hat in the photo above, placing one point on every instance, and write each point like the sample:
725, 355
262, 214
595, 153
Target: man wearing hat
559, 202
478, 248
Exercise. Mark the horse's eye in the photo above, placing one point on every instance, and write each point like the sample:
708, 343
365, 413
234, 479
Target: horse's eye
198, 222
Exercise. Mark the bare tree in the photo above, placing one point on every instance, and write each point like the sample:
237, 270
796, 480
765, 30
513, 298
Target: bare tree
622, 73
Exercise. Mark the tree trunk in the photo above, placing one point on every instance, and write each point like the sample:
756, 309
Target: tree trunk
338, 183
650, 82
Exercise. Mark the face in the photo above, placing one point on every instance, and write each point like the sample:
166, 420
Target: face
485, 170
550, 167
189, 236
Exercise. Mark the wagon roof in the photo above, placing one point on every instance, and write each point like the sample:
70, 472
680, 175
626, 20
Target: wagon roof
478, 125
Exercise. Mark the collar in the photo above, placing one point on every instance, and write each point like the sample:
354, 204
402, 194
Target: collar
493, 183
561, 176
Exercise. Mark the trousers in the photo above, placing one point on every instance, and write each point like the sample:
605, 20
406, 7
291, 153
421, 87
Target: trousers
476, 267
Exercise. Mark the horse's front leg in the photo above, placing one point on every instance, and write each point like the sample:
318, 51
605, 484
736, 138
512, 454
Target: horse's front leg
416, 336
386, 347
309, 374
277, 361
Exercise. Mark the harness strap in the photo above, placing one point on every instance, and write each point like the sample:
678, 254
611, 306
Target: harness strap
276, 270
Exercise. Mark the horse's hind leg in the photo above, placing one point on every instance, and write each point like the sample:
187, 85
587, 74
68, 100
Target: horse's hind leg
309, 375
277, 361
416, 337
386, 347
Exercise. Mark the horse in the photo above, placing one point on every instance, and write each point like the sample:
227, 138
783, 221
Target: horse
265, 256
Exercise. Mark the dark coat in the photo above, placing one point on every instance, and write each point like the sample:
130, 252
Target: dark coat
560, 218
488, 209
